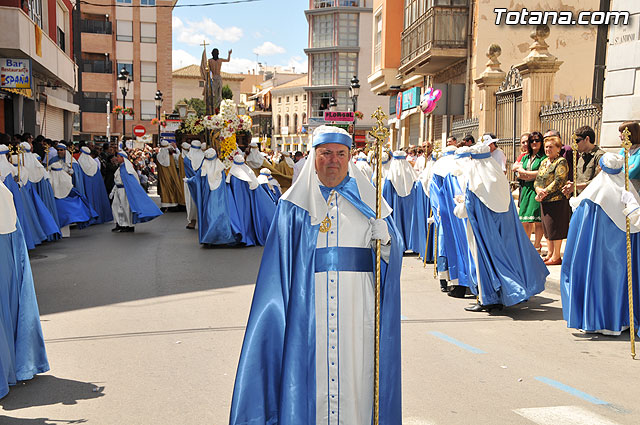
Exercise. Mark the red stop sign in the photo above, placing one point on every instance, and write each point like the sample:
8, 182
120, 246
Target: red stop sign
139, 130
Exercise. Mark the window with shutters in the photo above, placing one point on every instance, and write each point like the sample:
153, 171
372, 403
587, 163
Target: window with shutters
348, 29
322, 35
148, 72
147, 109
124, 30
61, 27
147, 32
322, 70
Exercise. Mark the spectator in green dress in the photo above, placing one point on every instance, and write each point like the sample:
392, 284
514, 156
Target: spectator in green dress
527, 170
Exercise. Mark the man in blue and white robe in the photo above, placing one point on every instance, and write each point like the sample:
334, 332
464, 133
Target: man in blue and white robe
94, 188
307, 356
192, 157
397, 190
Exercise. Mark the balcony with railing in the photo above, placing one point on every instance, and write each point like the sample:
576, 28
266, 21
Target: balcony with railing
435, 40
320, 4
95, 27
98, 67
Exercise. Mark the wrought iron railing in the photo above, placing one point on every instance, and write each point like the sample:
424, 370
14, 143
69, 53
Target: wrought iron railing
439, 27
318, 4
567, 117
463, 127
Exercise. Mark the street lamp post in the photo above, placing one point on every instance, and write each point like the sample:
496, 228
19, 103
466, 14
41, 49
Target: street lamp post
158, 101
354, 91
333, 104
123, 85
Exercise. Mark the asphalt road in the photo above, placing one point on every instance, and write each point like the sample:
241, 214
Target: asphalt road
146, 328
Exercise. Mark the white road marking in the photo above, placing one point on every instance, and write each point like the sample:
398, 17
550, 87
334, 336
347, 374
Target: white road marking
416, 421
563, 415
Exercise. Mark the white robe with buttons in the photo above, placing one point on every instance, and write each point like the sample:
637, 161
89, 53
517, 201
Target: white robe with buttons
345, 325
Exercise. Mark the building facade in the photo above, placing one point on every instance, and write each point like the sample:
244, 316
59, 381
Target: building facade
340, 48
187, 83
289, 116
38, 35
444, 44
130, 34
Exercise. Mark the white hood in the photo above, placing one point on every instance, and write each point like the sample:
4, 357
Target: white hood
242, 171
8, 218
401, 174
212, 168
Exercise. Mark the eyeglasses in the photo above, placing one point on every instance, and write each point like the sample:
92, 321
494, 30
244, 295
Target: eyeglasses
535, 141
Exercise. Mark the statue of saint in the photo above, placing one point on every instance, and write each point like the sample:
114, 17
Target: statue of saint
214, 65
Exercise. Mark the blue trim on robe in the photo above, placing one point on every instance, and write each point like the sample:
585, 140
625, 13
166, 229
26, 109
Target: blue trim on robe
96, 194
214, 224
421, 209
252, 212
44, 189
593, 279
402, 210
22, 350
76, 178
143, 209
75, 209
276, 382
511, 270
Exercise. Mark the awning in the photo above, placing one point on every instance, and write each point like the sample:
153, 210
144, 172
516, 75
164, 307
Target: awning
21, 92
408, 112
62, 104
261, 93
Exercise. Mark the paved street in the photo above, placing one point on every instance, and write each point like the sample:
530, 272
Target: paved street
146, 328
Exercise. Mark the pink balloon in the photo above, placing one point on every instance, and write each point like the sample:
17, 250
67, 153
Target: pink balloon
437, 94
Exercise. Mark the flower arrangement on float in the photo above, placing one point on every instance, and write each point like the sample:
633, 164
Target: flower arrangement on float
224, 127
359, 115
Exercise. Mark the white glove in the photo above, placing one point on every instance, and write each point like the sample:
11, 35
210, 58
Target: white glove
184, 179
627, 197
113, 192
574, 203
379, 230
431, 220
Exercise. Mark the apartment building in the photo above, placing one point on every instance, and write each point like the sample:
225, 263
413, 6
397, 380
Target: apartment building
289, 118
444, 44
130, 34
340, 47
37, 37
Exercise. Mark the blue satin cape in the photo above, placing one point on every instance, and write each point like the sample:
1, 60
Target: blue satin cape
75, 209
214, 225
275, 382
593, 279
96, 194
511, 270
452, 234
188, 168
252, 212
143, 209
22, 350
402, 210
44, 189
78, 181
421, 209
25, 214
274, 195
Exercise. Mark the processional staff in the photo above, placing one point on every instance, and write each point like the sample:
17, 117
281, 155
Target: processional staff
626, 144
434, 153
574, 157
17, 150
380, 133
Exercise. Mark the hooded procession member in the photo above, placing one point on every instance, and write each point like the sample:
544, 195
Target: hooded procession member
22, 351
269, 184
131, 204
363, 165
397, 191
251, 210
211, 197
192, 162
170, 189
594, 286
308, 351
420, 227
95, 190
506, 268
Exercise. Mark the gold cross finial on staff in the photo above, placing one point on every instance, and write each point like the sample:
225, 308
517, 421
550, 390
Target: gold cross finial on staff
626, 144
379, 131
204, 44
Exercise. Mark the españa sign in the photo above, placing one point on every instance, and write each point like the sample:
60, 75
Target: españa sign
15, 73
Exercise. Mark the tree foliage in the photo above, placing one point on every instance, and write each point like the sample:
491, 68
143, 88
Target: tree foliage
194, 103
226, 92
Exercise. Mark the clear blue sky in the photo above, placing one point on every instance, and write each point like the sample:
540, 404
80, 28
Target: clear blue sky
276, 29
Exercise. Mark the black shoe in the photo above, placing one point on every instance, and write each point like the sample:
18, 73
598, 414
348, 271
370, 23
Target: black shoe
117, 228
458, 291
444, 286
129, 229
488, 308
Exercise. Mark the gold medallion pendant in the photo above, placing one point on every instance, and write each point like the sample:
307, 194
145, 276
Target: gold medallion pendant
325, 226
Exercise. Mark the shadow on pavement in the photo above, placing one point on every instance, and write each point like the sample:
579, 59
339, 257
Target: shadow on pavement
46, 390
6, 420
95, 267
536, 309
